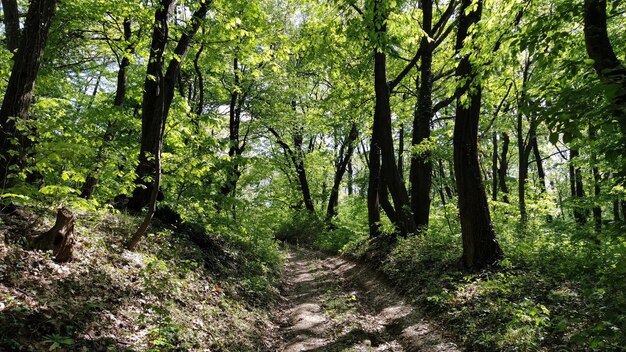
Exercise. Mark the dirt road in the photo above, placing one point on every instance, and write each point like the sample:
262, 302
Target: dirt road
333, 304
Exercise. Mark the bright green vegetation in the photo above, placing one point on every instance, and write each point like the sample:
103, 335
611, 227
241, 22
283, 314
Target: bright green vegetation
472, 150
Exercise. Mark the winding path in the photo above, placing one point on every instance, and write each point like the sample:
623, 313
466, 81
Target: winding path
332, 304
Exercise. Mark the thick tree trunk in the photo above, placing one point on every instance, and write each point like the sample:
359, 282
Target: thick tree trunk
91, 180
382, 156
11, 22
480, 247
607, 66
421, 165
21, 85
60, 238
158, 94
341, 165
382, 127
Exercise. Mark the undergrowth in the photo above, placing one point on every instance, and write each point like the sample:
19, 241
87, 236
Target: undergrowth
172, 294
560, 286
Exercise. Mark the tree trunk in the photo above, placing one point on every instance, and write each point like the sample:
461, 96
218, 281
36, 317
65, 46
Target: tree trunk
21, 86
152, 203
298, 161
504, 167
382, 127
341, 166
60, 238
523, 148
576, 188
608, 67
540, 171
91, 180
235, 149
494, 167
158, 94
382, 144
480, 247
11, 22
421, 165
401, 151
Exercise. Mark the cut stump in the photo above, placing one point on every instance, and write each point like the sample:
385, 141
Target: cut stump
60, 238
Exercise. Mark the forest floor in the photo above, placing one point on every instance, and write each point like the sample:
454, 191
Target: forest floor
334, 304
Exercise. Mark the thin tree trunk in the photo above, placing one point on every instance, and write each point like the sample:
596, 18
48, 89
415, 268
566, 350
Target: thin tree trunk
21, 86
91, 180
401, 151
504, 167
523, 148
494, 167
576, 188
540, 171
340, 168
480, 247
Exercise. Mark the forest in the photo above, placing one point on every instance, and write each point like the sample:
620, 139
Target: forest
299, 175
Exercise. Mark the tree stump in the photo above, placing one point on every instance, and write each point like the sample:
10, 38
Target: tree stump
60, 238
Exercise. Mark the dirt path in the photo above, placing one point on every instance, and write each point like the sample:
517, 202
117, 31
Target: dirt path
332, 304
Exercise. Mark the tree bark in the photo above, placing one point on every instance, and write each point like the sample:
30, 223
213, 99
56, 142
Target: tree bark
480, 247
295, 157
21, 85
60, 238
504, 167
540, 171
421, 165
11, 22
341, 165
158, 94
608, 67
576, 188
236, 148
382, 155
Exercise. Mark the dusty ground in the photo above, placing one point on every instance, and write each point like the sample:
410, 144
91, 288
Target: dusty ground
333, 304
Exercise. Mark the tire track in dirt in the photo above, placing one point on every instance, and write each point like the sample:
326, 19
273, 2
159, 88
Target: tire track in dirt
333, 304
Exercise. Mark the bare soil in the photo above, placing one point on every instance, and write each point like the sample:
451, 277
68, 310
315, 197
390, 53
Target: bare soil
332, 304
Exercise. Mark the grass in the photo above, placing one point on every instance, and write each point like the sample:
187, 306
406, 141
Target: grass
169, 295
560, 287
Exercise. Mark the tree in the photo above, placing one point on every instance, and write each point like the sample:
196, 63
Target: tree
480, 247
159, 89
610, 70
20, 89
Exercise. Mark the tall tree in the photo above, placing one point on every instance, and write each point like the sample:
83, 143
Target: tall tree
158, 93
341, 165
608, 68
21, 86
91, 180
383, 168
480, 247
